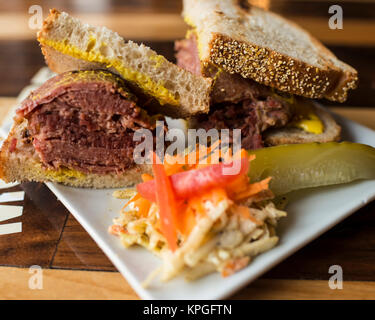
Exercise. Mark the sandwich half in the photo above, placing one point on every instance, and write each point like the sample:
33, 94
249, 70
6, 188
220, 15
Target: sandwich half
78, 127
68, 44
264, 69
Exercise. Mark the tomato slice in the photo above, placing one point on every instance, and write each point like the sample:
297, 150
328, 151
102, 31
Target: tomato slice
194, 182
166, 202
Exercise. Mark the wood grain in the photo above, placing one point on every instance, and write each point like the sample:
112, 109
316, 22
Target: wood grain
42, 220
77, 250
94, 285
64, 284
281, 289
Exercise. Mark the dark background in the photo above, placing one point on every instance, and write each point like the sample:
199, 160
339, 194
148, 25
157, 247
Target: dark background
20, 55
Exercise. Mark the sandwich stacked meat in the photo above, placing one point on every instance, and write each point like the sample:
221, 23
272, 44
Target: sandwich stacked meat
259, 64
240, 67
84, 120
78, 127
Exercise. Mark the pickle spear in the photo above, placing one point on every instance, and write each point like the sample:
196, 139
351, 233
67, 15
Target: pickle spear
298, 166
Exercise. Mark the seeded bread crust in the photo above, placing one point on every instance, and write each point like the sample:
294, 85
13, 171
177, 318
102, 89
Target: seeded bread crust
267, 48
23, 164
279, 71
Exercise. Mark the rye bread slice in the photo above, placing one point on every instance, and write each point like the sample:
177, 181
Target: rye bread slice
263, 46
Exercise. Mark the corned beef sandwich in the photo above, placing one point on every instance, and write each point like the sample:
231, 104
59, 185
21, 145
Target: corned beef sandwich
77, 128
259, 63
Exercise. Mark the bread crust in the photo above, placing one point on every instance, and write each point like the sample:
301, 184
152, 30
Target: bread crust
291, 135
67, 44
59, 63
280, 71
267, 48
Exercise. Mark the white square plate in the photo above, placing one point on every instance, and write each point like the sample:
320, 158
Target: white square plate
310, 213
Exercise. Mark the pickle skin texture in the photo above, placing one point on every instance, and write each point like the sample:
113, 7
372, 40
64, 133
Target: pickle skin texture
299, 166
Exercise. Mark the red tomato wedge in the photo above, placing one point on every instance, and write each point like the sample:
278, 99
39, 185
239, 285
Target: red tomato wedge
194, 182
166, 202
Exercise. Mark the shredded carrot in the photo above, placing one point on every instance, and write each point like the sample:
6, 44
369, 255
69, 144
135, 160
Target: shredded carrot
165, 199
237, 186
186, 220
116, 230
215, 196
143, 207
242, 183
147, 177
178, 216
196, 204
234, 265
246, 213
135, 198
173, 164
194, 209
253, 189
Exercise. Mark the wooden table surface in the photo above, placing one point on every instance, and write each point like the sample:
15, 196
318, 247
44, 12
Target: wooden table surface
74, 267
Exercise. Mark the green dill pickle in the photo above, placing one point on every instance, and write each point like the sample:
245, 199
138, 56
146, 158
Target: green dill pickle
298, 166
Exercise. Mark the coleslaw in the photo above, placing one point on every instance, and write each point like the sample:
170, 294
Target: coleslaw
198, 220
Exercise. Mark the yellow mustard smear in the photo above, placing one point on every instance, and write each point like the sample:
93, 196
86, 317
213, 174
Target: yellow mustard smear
158, 60
312, 125
157, 90
64, 174
307, 120
305, 117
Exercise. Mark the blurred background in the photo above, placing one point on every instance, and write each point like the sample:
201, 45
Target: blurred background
158, 23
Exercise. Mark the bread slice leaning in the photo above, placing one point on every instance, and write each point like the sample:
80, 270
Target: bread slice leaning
68, 44
267, 48
292, 135
22, 163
